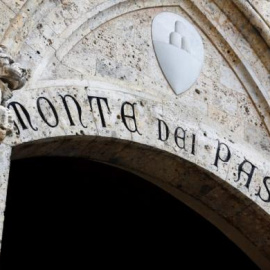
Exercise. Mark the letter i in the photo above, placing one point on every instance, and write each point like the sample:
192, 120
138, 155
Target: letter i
193, 144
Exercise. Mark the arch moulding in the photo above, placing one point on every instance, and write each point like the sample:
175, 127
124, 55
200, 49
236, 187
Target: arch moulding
95, 90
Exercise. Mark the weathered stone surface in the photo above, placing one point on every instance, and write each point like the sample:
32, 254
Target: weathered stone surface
209, 144
5, 152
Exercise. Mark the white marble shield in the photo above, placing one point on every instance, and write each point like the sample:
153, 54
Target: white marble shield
179, 50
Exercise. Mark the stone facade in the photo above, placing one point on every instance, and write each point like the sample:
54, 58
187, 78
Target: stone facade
95, 89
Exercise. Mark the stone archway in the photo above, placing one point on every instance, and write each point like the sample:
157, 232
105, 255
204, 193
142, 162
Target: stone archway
73, 211
219, 203
96, 89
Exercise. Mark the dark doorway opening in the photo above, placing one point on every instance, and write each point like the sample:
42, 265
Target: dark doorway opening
67, 212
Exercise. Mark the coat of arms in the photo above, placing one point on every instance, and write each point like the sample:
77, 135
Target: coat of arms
179, 50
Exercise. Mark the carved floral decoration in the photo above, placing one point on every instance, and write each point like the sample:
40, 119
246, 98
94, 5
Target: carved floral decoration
12, 77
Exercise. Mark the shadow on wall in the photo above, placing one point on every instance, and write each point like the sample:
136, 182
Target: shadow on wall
67, 212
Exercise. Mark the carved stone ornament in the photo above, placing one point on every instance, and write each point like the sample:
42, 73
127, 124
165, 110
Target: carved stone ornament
179, 50
12, 77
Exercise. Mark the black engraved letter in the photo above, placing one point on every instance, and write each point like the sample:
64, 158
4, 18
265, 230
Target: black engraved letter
43, 115
90, 98
224, 157
132, 117
248, 173
193, 144
182, 138
14, 105
79, 109
162, 126
267, 187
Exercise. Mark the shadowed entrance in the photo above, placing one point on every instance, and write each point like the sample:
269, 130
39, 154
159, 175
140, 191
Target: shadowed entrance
69, 211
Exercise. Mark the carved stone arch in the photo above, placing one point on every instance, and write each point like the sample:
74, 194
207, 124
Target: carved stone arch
216, 133
219, 203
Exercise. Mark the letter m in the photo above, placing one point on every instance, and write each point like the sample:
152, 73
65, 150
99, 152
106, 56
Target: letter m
19, 109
